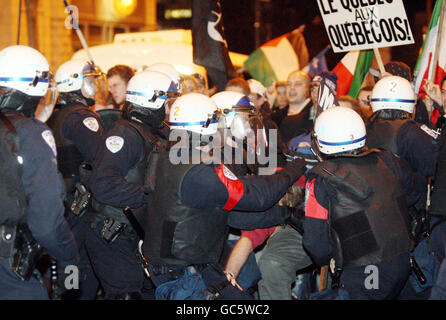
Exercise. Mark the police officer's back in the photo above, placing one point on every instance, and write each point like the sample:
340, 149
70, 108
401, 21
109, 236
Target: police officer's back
32, 207
357, 209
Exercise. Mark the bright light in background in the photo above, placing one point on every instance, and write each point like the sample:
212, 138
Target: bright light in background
114, 10
183, 69
178, 14
125, 7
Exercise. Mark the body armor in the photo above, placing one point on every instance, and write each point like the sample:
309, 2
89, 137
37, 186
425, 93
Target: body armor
176, 234
382, 134
369, 217
12, 194
109, 117
13, 199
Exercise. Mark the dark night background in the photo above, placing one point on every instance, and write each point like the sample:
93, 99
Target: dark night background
281, 16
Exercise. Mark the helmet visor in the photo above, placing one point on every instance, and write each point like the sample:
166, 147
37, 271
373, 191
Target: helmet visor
94, 85
47, 102
245, 125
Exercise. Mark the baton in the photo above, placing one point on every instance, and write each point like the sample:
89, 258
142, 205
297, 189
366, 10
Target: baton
134, 223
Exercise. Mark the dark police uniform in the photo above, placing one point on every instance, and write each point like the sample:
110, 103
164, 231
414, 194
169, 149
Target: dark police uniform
78, 133
356, 212
188, 218
32, 176
119, 181
109, 117
411, 141
418, 145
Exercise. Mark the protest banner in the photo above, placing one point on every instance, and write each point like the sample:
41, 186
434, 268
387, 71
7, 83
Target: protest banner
365, 24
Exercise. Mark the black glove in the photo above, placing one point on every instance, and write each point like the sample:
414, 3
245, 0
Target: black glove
295, 168
295, 219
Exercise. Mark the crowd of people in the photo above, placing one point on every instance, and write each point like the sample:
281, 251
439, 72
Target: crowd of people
149, 184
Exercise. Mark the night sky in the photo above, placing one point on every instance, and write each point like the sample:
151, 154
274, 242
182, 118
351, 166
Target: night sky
282, 16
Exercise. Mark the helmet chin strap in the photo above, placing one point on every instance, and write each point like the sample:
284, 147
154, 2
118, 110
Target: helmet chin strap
15, 100
153, 119
74, 98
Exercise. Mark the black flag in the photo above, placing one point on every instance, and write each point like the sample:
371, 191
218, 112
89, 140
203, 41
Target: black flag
326, 98
210, 48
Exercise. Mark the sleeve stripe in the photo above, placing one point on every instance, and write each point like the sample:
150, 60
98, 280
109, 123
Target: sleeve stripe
234, 187
313, 208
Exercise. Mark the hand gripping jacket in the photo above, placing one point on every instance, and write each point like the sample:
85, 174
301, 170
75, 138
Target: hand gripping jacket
176, 234
12, 194
369, 223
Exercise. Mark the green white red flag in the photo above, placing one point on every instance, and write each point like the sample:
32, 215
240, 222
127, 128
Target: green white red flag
352, 70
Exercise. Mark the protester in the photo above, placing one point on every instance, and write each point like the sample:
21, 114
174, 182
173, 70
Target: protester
352, 103
258, 96
364, 98
435, 100
295, 118
238, 85
280, 101
190, 84
118, 78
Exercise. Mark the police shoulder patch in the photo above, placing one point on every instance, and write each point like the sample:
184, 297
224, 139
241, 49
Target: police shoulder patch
429, 131
91, 123
229, 174
114, 143
48, 137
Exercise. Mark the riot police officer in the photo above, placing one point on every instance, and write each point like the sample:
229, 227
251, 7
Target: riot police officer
121, 178
355, 197
188, 218
241, 153
391, 128
393, 101
32, 208
78, 134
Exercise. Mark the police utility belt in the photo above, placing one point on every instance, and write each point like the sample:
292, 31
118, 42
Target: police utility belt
18, 245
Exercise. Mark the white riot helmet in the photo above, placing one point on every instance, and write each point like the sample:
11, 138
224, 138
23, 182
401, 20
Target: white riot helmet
69, 76
147, 93
393, 92
230, 103
238, 114
168, 69
339, 129
194, 112
24, 78
77, 79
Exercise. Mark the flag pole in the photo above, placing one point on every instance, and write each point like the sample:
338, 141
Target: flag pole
379, 60
78, 32
437, 45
